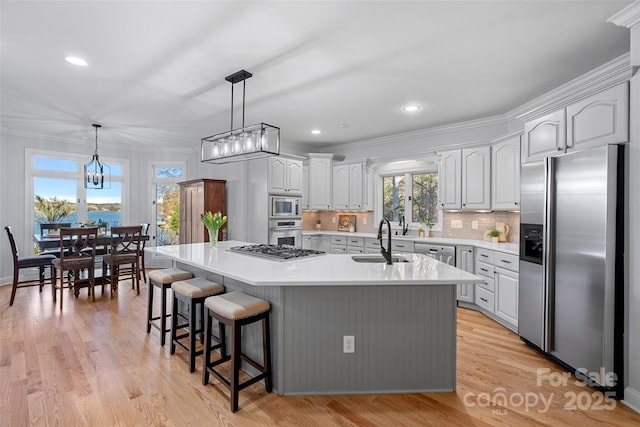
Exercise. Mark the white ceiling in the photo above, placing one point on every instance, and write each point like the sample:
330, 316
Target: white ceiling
155, 78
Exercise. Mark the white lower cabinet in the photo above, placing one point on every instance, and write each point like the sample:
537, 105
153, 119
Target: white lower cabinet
355, 245
371, 245
507, 295
465, 261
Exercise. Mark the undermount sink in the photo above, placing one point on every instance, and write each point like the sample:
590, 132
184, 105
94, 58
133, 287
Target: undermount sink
377, 258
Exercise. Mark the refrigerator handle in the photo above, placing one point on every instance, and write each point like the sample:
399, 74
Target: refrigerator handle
548, 227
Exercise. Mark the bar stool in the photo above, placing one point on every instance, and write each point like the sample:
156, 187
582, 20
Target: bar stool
162, 279
236, 309
193, 293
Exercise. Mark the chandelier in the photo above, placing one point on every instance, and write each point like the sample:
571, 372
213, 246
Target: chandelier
97, 175
247, 142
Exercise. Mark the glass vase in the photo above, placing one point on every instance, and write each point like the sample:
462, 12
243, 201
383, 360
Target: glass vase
213, 237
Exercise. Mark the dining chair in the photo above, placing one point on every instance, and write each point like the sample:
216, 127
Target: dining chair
47, 229
41, 262
78, 254
124, 250
144, 232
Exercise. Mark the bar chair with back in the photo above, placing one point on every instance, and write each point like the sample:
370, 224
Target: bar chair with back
41, 262
51, 229
144, 232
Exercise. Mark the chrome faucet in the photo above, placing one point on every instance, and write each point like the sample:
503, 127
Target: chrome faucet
386, 253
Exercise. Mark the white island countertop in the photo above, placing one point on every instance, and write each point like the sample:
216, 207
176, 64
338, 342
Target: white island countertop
322, 270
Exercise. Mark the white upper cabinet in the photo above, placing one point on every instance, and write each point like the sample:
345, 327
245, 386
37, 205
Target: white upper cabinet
341, 187
320, 174
305, 185
449, 180
476, 178
600, 119
285, 175
348, 186
505, 174
594, 121
544, 136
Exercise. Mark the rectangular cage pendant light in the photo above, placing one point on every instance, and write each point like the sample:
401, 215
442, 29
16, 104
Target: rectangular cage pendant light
247, 142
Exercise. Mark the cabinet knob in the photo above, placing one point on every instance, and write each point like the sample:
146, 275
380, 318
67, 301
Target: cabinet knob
560, 148
464, 204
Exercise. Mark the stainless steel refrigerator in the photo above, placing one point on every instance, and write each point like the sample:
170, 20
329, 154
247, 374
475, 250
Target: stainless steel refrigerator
571, 262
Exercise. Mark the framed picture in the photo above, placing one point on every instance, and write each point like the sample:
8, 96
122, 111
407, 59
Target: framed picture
346, 223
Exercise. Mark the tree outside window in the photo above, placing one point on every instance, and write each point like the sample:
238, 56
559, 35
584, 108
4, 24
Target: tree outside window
414, 195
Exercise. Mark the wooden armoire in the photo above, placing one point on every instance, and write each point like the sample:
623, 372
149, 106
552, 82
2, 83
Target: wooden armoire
197, 197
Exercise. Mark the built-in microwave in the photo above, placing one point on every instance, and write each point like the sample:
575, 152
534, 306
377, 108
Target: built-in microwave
284, 206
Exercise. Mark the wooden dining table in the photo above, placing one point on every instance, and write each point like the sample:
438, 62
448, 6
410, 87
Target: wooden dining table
53, 242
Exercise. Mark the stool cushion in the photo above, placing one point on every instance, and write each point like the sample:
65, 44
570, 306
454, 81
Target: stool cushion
197, 287
168, 275
236, 305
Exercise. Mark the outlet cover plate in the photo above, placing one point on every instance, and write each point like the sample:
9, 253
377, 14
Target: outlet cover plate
349, 344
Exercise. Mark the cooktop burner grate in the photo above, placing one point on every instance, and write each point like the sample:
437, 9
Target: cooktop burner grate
278, 252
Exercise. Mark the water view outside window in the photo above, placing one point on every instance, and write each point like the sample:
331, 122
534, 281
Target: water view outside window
56, 195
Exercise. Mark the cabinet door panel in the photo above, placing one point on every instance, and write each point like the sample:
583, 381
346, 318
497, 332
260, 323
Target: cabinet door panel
294, 176
544, 136
476, 178
505, 175
450, 191
506, 298
320, 183
600, 119
277, 177
341, 187
355, 186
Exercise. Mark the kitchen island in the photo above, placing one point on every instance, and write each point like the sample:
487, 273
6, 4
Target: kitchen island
402, 318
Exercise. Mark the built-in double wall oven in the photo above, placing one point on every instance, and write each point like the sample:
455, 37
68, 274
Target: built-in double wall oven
285, 221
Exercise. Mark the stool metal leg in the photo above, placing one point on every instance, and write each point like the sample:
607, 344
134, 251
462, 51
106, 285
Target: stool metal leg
192, 335
174, 323
235, 364
149, 307
163, 316
266, 348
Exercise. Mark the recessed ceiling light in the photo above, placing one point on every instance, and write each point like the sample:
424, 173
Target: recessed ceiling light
411, 108
316, 132
76, 61
344, 125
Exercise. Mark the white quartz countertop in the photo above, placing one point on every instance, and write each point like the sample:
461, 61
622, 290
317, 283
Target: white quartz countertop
323, 270
510, 248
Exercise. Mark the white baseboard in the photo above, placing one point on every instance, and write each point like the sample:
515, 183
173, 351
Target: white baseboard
632, 398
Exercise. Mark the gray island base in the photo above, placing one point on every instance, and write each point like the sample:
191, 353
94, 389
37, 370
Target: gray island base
403, 326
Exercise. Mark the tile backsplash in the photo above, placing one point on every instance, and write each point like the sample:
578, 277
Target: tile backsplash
486, 221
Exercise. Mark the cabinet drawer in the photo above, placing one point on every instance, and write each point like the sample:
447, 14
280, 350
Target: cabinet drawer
507, 261
402, 246
338, 249
488, 284
355, 241
485, 299
352, 250
484, 269
338, 240
484, 255
370, 243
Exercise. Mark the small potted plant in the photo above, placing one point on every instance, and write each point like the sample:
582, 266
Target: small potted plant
493, 235
318, 224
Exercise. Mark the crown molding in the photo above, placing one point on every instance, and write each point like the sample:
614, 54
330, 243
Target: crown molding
627, 17
613, 72
422, 133
83, 143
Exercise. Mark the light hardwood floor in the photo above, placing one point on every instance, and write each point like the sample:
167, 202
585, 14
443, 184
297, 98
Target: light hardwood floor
93, 364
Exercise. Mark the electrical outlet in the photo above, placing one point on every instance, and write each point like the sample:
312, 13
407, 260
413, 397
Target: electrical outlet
348, 344
364, 221
474, 225
456, 223
333, 219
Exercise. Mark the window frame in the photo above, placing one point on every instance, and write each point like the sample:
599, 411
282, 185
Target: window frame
32, 172
406, 168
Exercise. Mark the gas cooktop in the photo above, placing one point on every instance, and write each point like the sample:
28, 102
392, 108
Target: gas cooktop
276, 252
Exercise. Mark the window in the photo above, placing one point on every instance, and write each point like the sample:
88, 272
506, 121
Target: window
166, 224
58, 193
412, 194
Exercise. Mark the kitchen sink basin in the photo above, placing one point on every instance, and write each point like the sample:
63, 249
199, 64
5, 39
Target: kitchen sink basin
377, 258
